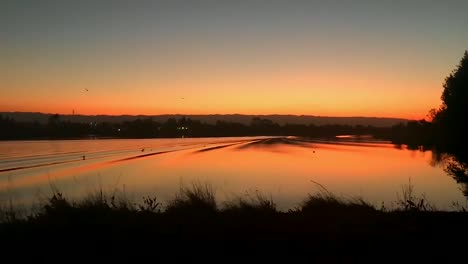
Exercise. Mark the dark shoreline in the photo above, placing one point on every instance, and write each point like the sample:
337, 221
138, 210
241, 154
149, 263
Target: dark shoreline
326, 226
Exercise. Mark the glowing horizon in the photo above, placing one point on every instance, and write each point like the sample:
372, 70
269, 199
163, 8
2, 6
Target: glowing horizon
300, 58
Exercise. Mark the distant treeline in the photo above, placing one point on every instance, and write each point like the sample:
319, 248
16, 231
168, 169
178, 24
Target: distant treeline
56, 128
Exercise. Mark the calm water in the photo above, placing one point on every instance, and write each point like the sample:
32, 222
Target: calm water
281, 167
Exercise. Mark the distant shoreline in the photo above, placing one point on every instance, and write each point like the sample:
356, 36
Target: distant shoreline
212, 118
319, 139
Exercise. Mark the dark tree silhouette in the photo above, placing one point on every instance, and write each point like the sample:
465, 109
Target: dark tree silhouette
450, 119
449, 124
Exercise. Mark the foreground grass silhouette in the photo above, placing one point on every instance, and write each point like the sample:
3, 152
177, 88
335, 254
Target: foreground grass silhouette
194, 219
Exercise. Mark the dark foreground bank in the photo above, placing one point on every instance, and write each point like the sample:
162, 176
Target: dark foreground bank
323, 227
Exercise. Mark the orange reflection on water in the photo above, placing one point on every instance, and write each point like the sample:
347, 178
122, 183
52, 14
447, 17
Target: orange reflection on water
283, 167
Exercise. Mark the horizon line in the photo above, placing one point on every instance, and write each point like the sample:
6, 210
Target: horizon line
185, 114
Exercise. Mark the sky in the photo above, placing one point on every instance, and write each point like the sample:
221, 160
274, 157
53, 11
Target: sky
325, 58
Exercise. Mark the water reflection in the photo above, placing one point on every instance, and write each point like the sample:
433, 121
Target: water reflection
455, 165
279, 166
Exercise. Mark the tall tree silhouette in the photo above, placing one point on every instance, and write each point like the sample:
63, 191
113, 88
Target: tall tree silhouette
450, 119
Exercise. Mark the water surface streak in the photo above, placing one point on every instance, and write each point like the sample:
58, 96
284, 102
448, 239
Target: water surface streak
283, 167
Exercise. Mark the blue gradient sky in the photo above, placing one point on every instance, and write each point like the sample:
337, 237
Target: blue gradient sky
341, 58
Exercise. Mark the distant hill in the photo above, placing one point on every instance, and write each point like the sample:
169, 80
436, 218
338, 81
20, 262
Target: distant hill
245, 119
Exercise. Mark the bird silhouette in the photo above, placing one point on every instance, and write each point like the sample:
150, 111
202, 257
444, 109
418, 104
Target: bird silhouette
86, 90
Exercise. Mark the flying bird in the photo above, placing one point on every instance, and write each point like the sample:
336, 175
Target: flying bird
86, 90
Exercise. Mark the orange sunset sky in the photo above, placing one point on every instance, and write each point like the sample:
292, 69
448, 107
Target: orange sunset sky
363, 58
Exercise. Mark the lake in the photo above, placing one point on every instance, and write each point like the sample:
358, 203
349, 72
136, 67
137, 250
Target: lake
285, 168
